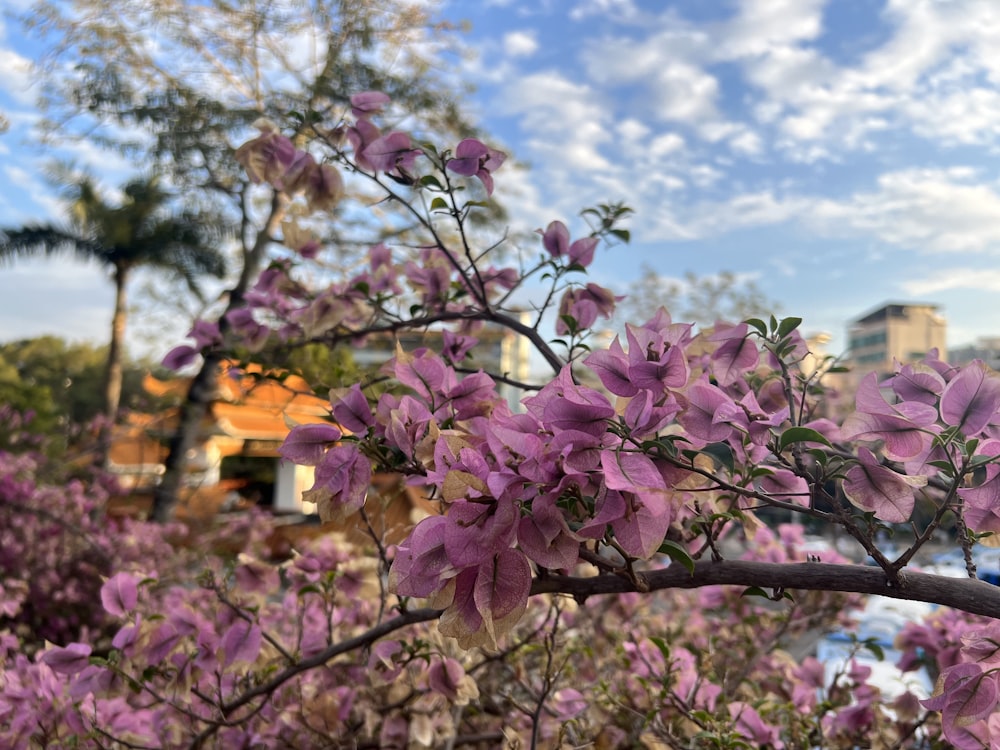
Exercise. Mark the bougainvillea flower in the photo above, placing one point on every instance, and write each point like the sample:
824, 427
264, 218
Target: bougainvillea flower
421, 567
971, 399
708, 414
69, 659
584, 305
482, 603
564, 405
120, 593
306, 444
346, 475
545, 538
478, 530
351, 409
611, 365
784, 485
982, 503
752, 726
917, 382
964, 694
903, 427
267, 157
368, 103
474, 158
555, 239
363, 134
320, 184
391, 153
878, 489
447, 677
736, 355
656, 363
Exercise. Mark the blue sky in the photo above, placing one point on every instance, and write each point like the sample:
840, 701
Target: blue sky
841, 152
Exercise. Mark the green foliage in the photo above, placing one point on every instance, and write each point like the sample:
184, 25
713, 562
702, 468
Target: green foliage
60, 382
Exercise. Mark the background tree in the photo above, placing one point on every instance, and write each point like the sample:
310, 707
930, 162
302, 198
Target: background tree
185, 102
61, 381
698, 299
138, 232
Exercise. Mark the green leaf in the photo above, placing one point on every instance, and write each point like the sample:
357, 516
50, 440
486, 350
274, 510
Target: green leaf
977, 461
430, 180
788, 325
661, 644
800, 435
570, 322
755, 591
722, 453
439, 203
873, 645
758, 325
623, 234
678, 554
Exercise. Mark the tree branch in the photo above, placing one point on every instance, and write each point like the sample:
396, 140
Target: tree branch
967, 594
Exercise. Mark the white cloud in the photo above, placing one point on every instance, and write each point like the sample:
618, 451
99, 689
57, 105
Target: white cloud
15, 77
520, 43
632, 130
761, 25
924, 210
668, 143
747, 143
954, 278
685, 93
621, 10
564, 120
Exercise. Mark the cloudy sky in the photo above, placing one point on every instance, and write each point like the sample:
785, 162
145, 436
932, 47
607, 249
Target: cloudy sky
842, 153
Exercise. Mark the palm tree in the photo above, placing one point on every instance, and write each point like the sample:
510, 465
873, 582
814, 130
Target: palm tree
138, 232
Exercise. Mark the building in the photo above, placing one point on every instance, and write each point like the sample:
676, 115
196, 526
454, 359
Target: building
894, 332
237, 450
987, 349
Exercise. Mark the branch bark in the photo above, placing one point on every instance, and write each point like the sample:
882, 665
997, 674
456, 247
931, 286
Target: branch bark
967, 594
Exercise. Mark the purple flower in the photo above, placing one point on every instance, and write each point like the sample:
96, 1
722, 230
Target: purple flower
267, 157
971, 399
903, 427
368, 103
475, 159
880, 490
69, 660
555, 239
120, 593
584, 306
306, 444
392, 154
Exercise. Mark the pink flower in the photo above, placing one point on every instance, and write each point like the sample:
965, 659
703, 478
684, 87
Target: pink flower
392, 154
368, 103
583, 307
555, 238
474, 159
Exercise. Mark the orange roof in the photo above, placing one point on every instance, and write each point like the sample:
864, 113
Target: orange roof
250, 404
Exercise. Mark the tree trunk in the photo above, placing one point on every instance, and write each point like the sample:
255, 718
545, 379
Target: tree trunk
112, 385
203, 386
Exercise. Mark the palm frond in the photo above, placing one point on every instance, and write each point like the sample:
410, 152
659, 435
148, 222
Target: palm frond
47, 240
